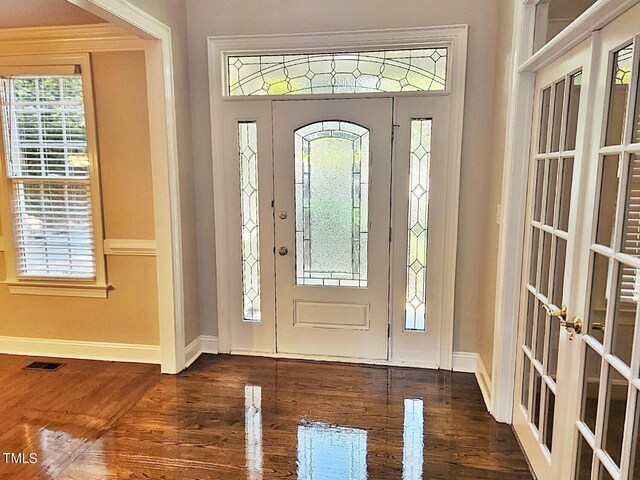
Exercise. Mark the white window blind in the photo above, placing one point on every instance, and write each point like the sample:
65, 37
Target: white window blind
630, 281
48, 167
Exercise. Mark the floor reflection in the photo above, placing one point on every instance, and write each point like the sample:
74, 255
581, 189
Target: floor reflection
253, 430
328, 452
413, 439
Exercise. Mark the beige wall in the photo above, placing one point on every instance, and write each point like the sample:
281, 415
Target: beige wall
480, 165
173, 14
499, 106
130, 314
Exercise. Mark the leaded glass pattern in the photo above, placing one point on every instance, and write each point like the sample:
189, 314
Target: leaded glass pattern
412, 70
419, 164
249, 206
332, 203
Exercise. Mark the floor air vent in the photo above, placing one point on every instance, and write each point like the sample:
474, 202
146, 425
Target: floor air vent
50, 366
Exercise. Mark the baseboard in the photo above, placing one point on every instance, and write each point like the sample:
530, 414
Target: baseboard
202, 344
465, 362
485, 382
44, 347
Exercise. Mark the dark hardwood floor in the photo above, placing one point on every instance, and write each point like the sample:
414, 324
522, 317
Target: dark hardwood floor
240, 417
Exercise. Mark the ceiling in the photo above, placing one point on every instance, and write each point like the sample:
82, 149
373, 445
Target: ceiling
40, 13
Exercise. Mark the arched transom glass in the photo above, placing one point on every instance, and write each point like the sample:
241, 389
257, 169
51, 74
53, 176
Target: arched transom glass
332, 191
329, 73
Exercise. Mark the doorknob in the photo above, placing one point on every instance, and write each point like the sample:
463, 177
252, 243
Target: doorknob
283, 251
561, 313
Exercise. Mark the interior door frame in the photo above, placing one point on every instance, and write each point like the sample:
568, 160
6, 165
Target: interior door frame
453, 37
525, 63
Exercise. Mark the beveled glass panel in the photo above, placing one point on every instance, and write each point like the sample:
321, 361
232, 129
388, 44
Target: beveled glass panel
548, 419
533, 263
590, 388
537, 392
631, 231
575, 87
585, 459
410, 70
537, 206
418, 224
598, 295
249, 206
608, 200
616, 403
544, 120
332, 187
558, 104
540, 331
566, 184
526, 378
624, 315
549, 218
546, 263
619, 92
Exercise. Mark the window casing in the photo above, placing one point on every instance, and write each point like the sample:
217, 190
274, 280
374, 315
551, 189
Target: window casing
50, 190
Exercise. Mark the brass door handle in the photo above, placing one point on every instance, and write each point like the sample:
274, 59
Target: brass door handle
598, 326
554, 311
561, 313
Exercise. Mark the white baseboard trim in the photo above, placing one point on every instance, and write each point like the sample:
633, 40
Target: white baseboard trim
470, 362
44, 347
465, 362
485, 382
202, 344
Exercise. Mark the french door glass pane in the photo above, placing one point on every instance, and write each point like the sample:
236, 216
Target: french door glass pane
550, 411
572, 112
533, 266
565, 193
531, 309
418, 223
526, 378
619, 92
249, 206
546, 264
537, 207
332, 189
636, 126
549, 218
558, 104
616, 399
540, 328
585, 459
537, 392
598, 298
590, 388
608, 200
558, 271
544, 120
624, 316
604, 474
635, 453
631, 232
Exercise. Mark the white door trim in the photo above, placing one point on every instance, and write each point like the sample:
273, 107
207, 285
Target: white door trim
515, 176
164, 154
454, 37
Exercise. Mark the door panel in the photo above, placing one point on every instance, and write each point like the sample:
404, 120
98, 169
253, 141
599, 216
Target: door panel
539, 413
332, 175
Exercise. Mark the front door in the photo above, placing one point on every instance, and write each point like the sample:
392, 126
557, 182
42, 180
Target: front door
332, 197
576, 409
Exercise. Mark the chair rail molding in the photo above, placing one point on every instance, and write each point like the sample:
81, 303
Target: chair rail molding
129, 247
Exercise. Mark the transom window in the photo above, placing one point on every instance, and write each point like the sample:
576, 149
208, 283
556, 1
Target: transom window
411, 70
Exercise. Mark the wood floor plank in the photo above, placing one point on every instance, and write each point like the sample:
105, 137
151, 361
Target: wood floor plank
107, 421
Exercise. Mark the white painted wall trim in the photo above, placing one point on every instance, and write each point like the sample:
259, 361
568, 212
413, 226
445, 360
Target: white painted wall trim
43, 347
165, 168
465, 362
452, 36
470, 362
484, 382
202, 344
126, 247
67, 39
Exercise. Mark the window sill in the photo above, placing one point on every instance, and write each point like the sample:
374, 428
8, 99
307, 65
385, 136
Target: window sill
58, 289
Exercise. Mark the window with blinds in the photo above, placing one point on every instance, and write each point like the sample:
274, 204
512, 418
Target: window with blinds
47, 165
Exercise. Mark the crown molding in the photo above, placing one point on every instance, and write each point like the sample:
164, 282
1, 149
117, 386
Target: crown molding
67, 39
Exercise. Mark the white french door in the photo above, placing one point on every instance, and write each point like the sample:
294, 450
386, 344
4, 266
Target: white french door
576, 406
